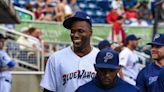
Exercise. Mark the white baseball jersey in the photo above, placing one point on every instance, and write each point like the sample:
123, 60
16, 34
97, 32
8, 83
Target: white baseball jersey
128, 59
5, 76
4, 60
65, 71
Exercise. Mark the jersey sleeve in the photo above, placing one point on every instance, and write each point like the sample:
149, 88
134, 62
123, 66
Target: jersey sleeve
49, 78
123, 58
4, 59
140, 81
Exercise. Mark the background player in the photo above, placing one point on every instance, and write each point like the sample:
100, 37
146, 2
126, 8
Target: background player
6, 65
106, 80
149, 74
72, 67
128, 60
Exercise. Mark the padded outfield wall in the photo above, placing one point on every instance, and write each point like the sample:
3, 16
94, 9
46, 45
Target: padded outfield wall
55, 32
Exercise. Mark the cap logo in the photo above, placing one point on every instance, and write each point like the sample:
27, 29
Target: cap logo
156, 36
87, 17
108, 56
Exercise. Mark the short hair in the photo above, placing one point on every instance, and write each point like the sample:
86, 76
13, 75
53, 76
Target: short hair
31, 30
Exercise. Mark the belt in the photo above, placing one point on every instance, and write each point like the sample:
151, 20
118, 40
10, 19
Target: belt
130, 77
8, 81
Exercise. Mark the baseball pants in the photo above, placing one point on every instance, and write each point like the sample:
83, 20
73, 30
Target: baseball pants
5, 85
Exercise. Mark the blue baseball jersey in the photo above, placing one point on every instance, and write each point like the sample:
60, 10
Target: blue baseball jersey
120, 86
159, 84
147, 77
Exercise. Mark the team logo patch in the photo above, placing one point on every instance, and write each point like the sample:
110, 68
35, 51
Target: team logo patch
87, 17
156, 36
108, 56
152, 79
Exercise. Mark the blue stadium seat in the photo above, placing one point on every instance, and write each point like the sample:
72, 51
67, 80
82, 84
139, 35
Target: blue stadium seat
89, 12
105, 5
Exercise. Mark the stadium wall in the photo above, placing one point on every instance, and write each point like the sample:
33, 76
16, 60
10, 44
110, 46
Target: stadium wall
55, 32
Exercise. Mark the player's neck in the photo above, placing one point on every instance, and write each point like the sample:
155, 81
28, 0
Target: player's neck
130, 47
160, 63
82, 52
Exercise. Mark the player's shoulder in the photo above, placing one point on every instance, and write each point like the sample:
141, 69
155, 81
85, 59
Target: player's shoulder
86, 87
146, 70
2, 52
62, 51
125, 51
125, 85
95, 50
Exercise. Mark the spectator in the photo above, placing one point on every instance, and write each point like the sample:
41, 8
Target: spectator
118, 4
23, 41
38, 12
6, 65
131, 16
74, 6
118, 32
40, 3
106, 80
31, 43
63, 10
144, 10
128, 60
60, 11
48, 12
36, 33
150, 73
112, 16
131, 3
65, 68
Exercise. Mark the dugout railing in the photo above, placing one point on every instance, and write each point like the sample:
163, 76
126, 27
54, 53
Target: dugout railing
29, 59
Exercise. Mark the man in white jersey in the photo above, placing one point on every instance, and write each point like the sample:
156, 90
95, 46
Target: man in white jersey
6, 65
128, 60
73, 66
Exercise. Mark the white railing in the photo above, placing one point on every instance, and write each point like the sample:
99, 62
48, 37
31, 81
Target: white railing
26, 58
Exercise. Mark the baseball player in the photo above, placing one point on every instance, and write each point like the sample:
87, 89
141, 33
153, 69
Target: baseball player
106, 80
149, 74
6, 65
128, 60
72, 67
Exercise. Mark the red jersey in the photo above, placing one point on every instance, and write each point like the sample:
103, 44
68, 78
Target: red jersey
111, 17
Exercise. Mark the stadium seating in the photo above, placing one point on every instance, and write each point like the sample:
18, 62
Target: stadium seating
97, 9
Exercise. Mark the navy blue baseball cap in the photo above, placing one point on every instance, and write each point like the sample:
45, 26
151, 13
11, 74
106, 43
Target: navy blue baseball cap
131, 38
104, 43
158, 40
79, 15
107, 58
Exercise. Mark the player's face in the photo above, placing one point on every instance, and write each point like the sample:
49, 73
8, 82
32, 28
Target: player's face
80, 34
106, 76
134, 43
2, 43
157, 52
